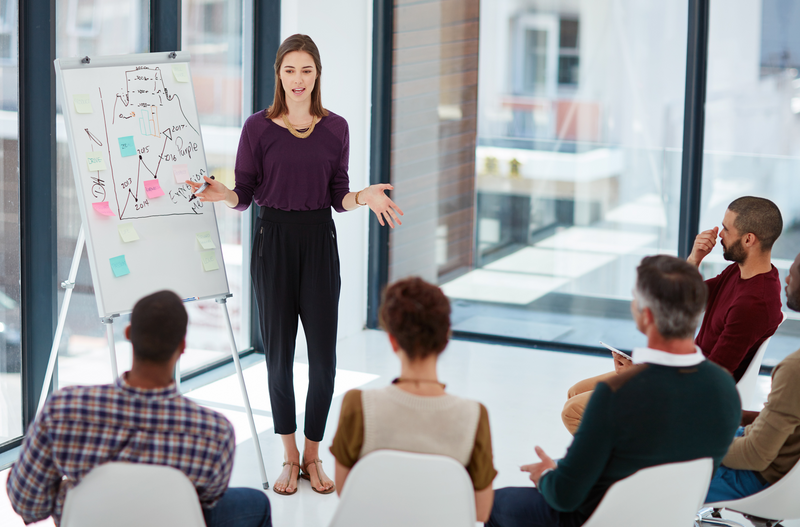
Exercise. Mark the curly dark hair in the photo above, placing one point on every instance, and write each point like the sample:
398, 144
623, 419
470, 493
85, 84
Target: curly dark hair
417, 314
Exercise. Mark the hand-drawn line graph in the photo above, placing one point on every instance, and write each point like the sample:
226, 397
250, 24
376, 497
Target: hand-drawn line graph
144, 94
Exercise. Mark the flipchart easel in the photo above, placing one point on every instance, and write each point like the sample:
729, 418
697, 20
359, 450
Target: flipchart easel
178, 214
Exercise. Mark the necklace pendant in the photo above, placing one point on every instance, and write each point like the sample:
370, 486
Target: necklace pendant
294, 132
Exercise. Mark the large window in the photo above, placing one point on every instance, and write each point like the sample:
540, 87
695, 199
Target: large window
535, 229
752, 129
212, 33
89, 27
10, 323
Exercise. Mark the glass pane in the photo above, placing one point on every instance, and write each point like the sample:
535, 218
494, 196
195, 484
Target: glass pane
10, 322
89, 27
751, 142
536, 230
568, 33
212, 33
535, 60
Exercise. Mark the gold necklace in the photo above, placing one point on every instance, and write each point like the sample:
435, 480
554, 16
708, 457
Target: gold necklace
294, 132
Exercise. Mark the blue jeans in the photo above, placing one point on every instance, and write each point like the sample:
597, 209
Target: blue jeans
732, 484
525, 507
240, 507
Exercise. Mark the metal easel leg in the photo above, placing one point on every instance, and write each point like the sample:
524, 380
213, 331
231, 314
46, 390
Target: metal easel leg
112, 349
245, 399
68, 285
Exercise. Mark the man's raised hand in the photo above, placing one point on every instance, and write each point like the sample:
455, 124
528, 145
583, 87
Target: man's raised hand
703, 243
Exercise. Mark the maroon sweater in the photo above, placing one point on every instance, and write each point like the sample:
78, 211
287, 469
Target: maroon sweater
740, 316
284, 172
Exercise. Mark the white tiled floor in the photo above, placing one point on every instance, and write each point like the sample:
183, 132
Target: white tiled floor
523, 389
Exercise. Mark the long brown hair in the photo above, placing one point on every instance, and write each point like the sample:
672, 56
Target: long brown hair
297, 42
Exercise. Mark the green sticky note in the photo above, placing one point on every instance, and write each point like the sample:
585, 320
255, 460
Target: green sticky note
95, 161
126, 146
209, 259
181, 72
127, 232
205, 240
83, 104
119, 266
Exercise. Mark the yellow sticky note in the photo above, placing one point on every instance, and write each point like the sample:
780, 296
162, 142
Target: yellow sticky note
209, 259
181, 72
95, 161
204, 238
127, 232
83, 104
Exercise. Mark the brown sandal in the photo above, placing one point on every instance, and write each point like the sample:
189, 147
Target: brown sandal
283, 492
305, 475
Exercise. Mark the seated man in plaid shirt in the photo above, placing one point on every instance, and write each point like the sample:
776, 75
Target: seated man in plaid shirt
141, 418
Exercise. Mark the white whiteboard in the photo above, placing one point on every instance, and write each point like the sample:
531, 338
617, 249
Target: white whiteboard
134, 117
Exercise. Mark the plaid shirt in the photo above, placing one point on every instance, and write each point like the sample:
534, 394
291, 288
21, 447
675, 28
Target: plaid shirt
81, 427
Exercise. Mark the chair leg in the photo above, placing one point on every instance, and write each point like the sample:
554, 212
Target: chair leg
758, 522
710, 516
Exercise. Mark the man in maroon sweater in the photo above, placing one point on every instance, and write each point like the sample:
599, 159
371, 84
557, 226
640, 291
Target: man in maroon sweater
744, 300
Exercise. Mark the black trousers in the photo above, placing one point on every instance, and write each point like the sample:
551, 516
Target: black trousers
295, 271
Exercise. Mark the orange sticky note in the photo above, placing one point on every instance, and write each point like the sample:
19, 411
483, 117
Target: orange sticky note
103, 208
153, 188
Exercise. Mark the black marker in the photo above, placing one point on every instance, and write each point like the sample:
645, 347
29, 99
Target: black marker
201, 189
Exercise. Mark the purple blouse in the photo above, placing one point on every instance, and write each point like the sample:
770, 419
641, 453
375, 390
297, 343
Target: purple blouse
284, 172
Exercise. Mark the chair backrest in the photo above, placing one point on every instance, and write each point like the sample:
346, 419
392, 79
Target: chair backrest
394, 489
747, 384
778, 501
660, 496
133, 495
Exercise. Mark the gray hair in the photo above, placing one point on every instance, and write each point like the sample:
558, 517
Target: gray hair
674, 292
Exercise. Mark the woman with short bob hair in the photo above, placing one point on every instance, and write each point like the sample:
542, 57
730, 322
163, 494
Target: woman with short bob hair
414, 413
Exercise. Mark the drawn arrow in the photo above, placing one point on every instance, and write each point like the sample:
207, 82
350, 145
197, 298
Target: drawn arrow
92, 137
168, 133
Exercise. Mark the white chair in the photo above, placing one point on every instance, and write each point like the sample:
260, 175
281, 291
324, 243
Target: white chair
133, 495
747, 384
775, 503
398, 489
662, 496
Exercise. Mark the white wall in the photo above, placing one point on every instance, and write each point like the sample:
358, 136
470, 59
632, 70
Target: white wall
342, 31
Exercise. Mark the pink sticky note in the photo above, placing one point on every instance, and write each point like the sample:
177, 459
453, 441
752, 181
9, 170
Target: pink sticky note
103, 208
181, 173
153, 188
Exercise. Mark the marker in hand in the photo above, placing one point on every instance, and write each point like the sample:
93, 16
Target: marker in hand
201, 189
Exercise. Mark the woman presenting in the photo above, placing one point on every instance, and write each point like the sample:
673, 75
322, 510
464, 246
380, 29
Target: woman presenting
293, 160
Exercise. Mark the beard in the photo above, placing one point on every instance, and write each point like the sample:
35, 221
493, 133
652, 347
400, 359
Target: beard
793, 302
735, 252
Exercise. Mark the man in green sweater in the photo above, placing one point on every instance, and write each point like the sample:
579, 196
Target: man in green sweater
647, 415
769, 446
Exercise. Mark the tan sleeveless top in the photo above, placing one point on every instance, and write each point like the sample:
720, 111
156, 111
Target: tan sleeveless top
389, 418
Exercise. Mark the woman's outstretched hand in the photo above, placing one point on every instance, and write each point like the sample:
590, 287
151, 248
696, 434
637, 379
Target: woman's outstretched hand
215, 191
381, 204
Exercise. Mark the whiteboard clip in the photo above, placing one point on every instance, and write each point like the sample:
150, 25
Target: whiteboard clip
224, 299
173, 55
86, 60
66, 284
